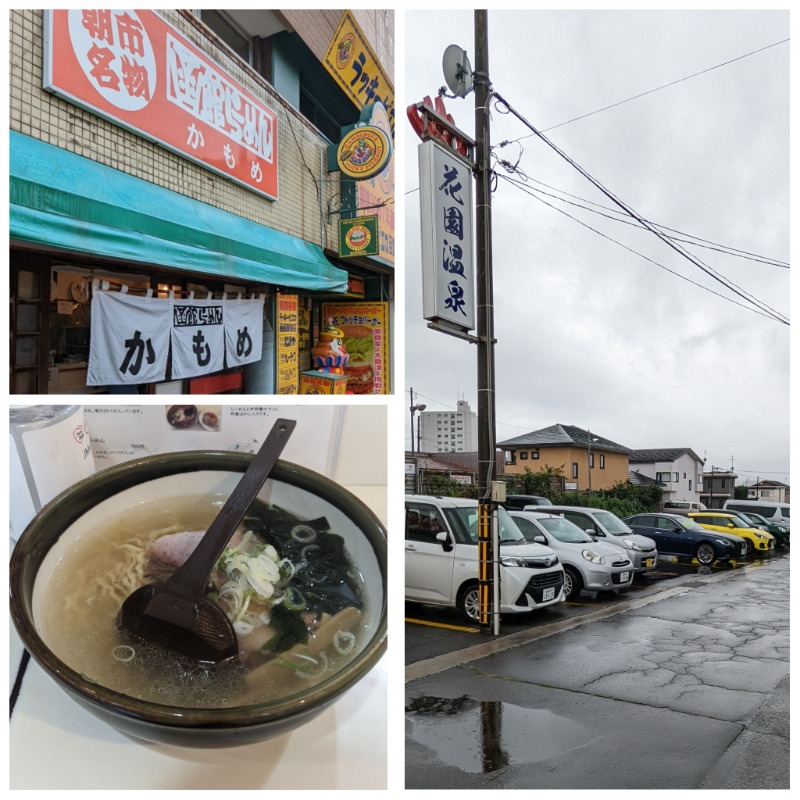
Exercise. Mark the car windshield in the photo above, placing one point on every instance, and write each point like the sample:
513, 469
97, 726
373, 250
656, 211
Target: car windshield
464, 520
691, 525
564, 530
737, 523
613, 524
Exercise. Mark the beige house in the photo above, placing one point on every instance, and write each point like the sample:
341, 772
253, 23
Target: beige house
586, 460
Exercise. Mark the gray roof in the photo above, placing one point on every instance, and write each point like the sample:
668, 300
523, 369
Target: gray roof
668, 454
643, 480
561, 435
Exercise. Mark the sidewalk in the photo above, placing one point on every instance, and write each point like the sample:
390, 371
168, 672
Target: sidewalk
686, 690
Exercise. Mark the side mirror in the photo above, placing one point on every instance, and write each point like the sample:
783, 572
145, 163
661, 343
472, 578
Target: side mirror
677, 529
539, 538
443, 537
593, 532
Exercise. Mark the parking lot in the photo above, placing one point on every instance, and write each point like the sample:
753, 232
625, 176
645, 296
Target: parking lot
680, 682
432, 631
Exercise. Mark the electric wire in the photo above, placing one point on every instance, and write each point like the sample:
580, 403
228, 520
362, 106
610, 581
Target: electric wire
636, 252
642, 222
650, 91
618, 216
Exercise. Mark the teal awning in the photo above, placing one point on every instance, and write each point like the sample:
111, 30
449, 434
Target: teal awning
66, 201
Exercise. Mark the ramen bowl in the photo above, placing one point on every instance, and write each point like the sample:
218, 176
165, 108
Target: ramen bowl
83, 514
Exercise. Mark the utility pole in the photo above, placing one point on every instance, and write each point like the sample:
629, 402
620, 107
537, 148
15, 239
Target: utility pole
487, 540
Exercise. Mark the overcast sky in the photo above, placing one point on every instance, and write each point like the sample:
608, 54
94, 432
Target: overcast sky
589, 333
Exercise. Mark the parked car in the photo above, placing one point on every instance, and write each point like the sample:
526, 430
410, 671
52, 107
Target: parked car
781, 534
521, 501
682, 506
677, 535
724, 522
442, 559
589, 565
602, 524
777, 513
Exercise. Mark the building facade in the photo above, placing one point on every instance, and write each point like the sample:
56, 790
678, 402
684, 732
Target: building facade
718, 486
449, 431
679, 471
587, 462
201, 168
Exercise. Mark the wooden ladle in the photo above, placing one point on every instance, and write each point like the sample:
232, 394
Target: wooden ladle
176, 614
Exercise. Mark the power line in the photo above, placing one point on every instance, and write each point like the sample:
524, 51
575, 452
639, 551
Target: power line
636, 252
650, 91
618, 217
644, 223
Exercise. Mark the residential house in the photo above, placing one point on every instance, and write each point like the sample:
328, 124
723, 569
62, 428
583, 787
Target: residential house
775, 491
679, 471
718, 486
587, 461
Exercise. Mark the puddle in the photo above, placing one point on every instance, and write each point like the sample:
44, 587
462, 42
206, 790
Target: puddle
481, 736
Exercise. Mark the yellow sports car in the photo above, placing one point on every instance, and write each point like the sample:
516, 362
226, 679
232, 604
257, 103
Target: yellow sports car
729, 523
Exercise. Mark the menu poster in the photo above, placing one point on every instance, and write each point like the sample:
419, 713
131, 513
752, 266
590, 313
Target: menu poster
120, 433
366, 337
288, 337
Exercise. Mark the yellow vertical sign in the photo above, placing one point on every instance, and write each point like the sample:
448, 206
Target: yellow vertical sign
287, 351
355, 67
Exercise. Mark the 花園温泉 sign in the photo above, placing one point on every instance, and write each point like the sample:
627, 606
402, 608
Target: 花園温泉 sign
448, 283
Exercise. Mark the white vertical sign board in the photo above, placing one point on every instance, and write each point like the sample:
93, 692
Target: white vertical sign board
448, 280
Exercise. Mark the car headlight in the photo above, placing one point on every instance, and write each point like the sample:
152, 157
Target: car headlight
595, 558
760, 536
631, 545
511, 561
723, 542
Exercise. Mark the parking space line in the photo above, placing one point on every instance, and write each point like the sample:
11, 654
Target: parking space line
443, 625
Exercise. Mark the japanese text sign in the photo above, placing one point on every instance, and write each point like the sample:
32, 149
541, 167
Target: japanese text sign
288, 336
132, 336
198, 338
129, 339
366, 336
356, 68
448, 283
134, 69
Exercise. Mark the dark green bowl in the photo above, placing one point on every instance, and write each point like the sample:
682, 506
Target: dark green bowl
194, 727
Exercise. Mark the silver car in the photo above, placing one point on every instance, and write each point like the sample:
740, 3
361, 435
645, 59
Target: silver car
607, 527
590, 565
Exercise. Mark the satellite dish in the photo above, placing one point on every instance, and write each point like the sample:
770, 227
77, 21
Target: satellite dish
457, 70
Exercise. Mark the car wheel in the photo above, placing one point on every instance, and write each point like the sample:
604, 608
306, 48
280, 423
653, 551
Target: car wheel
749, 547
706, 554
469, 601
572, 583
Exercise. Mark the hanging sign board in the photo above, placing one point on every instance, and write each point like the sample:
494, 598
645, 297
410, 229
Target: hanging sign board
131, 337
358, 236
136, 70
448, 282
355, 67
363, 153
288, 334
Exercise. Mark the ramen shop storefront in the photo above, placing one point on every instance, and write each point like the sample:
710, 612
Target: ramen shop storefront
120, 285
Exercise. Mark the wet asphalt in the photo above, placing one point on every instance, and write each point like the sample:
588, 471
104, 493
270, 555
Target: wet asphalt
685, 687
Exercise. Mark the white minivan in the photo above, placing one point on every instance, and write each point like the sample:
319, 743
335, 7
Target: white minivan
442, 559
776, 513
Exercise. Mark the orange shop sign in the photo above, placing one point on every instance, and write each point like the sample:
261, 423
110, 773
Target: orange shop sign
136, 70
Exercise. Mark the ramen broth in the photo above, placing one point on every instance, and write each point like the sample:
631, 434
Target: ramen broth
322, 590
